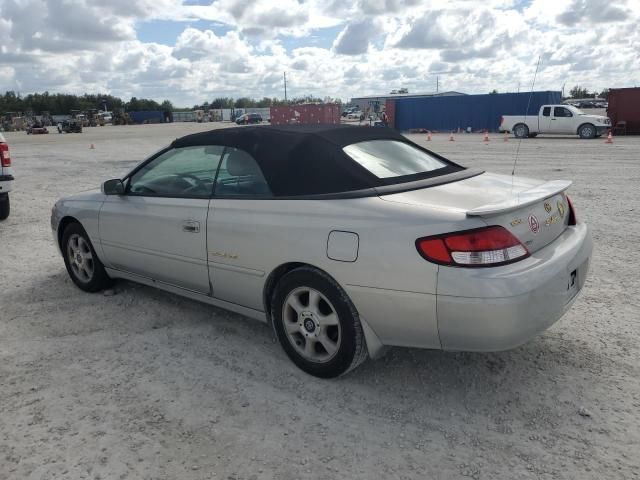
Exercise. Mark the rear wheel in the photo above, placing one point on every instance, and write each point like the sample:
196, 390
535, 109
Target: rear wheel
521, 131
5, 206
316, 324
83, 265
587, 131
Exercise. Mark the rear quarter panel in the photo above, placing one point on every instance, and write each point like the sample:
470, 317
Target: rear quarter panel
388, 271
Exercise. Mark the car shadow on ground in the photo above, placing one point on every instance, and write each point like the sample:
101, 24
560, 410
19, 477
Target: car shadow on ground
410, 376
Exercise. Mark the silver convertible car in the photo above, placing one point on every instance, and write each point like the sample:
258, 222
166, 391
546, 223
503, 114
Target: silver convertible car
345, 239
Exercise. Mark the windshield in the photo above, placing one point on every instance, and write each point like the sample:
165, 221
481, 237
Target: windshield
391, 158
575, 110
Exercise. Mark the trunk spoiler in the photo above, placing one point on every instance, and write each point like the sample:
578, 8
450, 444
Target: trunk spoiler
522, 199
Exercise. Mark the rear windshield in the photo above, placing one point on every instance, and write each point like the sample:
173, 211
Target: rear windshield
391, 158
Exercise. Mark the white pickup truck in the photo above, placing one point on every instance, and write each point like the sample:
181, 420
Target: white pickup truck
556, 119
6, 178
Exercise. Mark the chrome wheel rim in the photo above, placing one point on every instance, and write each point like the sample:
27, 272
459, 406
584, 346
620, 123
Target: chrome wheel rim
520, 131
311, 324
80, 258
587, 131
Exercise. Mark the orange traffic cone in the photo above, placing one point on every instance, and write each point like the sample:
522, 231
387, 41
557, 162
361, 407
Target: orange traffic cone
486, 136
609, 138
428, 136
506, 137
92, 147
451, 139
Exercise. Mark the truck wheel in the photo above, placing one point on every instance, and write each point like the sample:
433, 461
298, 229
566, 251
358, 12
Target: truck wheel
587, 131
521, 131
5, 206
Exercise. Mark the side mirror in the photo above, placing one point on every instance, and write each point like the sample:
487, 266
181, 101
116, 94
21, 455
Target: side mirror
113, 187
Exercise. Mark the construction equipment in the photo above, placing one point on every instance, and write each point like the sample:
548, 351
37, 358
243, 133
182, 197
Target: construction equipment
120, 117
13, 122
94, 118
72, 125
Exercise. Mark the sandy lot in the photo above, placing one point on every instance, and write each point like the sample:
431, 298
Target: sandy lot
147, 385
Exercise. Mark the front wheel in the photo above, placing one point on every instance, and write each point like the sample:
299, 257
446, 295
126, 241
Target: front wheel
316, 324
83, 265
5, 206
587, 131
521, 131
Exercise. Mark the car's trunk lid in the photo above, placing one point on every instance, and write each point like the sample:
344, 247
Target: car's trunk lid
535, 212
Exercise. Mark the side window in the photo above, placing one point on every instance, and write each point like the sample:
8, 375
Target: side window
561, 112
181, 172
546, 111
240, 176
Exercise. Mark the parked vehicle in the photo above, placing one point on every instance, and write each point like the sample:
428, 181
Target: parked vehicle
106, 116
37, 130
249, 118
345, 239
6, 178
355, 114
556, 119
70, 126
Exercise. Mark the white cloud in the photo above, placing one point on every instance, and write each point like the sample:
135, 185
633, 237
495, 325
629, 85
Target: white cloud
240, 47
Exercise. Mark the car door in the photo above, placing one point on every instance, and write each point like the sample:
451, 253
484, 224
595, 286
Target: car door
562, 121
236, 259
545, 120
157, 228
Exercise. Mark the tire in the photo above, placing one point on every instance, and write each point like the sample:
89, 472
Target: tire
304, 331
5, 206
83, 265
587, 131
521, 130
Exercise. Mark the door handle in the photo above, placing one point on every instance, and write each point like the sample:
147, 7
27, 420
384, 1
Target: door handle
191, 226
553, 119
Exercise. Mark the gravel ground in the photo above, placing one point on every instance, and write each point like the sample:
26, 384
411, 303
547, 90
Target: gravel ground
144, 384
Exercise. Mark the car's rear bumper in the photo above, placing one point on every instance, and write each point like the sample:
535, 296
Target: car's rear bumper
492, 309
6, 183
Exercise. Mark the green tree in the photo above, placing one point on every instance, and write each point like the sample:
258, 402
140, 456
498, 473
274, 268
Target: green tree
244, 102
578, 92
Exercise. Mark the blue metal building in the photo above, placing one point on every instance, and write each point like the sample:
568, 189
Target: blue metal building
479, 112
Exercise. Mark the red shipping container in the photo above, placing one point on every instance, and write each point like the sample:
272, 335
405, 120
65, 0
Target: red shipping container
306, 113
390, 110
624, 106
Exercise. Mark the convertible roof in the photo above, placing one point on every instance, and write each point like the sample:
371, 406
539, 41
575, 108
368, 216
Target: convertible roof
305, 159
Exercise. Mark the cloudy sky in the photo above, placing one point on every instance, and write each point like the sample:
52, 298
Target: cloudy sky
190, 51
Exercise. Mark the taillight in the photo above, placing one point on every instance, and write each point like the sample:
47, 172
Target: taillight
482, 247
501, 120
5, 158
572, 212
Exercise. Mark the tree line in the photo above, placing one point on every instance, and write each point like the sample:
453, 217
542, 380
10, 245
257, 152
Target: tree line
264, 102
580, 92
63, 103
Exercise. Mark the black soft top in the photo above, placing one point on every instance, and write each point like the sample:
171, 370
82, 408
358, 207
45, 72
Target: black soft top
308, 159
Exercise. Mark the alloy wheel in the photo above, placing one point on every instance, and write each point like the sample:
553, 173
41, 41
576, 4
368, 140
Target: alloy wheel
311, 324
80, 258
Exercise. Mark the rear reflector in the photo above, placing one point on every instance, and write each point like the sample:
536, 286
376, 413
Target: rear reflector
5, 158
482, 247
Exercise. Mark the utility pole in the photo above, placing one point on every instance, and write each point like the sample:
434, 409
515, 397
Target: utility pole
285, 87
437, 83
